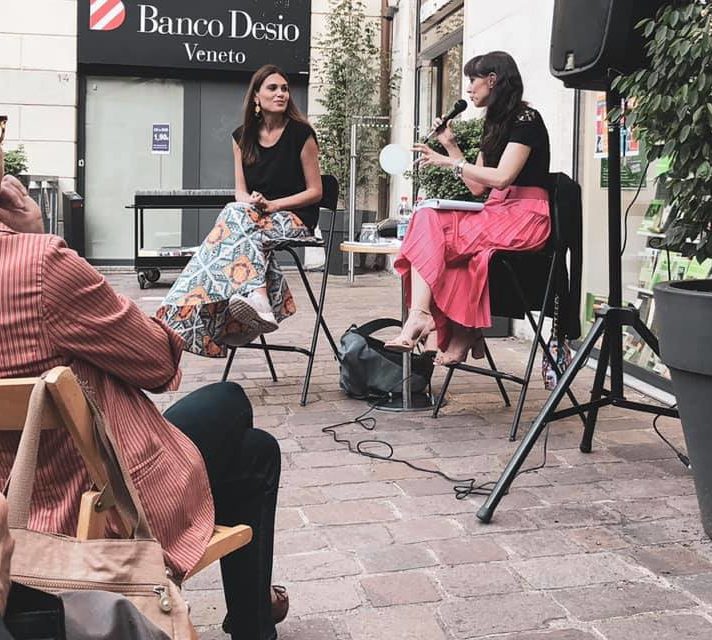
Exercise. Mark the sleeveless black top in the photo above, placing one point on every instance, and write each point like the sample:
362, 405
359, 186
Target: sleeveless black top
278, 172
529, 129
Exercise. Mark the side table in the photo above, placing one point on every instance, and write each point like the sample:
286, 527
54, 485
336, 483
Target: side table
408, 401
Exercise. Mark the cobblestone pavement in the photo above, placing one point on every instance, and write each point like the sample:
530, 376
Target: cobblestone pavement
600, 546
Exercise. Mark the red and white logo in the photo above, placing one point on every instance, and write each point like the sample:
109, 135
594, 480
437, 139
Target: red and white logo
106, 15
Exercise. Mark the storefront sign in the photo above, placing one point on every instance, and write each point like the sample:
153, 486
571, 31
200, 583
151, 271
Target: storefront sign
229, 35
161, 138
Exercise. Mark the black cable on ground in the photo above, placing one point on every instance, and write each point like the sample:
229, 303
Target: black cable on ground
462, 488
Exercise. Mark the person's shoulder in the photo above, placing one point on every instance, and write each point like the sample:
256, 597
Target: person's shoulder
302, 130
237, 134
528, 114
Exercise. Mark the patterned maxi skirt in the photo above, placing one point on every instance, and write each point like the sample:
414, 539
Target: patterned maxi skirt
451, 250
234, 258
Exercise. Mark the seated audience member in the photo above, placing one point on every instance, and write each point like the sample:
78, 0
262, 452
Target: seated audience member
233, 290
200, 464
445, 255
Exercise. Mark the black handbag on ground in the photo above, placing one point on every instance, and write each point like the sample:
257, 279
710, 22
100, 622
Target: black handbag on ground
369, 370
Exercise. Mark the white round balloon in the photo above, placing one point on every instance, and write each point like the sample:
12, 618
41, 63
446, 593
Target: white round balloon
394, 159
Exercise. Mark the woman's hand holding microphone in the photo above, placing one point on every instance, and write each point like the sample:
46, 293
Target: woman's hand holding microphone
430, 157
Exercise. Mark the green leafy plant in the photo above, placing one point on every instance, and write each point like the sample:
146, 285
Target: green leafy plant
348, 69
438, 182
672, 114
16, 161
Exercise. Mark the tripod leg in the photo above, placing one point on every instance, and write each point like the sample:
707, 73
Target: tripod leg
647, 335
596, 393
505, 480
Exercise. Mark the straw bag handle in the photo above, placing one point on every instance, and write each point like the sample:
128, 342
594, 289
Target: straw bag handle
22, 474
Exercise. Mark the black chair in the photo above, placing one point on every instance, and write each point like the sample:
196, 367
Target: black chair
329, 199
525, 281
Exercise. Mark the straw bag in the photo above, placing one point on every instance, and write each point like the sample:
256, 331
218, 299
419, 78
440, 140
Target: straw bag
131, 567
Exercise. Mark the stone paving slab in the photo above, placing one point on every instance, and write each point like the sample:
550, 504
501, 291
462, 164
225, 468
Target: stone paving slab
599, 546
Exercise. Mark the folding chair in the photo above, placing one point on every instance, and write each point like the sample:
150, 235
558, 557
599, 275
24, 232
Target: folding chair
330, 196
534, 278
69, 409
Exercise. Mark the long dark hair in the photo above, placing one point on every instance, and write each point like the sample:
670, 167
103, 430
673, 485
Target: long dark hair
251, 121
505, 100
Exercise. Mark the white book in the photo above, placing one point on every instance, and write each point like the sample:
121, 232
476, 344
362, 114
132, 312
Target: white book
457, 205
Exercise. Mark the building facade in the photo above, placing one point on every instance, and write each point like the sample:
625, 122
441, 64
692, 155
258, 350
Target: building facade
112, 96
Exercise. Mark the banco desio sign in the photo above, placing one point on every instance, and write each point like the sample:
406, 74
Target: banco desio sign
229, 35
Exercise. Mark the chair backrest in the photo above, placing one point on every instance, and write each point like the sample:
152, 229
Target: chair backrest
329, 193
67, 408
564, 209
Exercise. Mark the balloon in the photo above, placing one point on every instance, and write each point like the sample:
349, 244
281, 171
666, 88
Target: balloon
394, 159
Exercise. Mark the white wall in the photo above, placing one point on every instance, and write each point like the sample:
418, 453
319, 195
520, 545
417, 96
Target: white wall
523, 29
320, 13
38, 83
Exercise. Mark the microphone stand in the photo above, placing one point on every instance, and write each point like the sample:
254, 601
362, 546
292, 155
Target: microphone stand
608, 325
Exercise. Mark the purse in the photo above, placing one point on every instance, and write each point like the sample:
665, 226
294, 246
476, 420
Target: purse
560, 351
131, 567
368, 369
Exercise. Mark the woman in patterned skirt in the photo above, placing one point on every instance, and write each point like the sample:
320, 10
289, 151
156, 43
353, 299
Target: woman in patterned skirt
445, 255
233, 290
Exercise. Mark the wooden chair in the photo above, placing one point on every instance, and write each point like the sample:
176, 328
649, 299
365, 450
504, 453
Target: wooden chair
69, 409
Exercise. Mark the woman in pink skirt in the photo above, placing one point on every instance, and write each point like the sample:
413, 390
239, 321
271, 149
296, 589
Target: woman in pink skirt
444, 260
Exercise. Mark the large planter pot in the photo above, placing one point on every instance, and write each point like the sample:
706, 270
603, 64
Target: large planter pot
684, 312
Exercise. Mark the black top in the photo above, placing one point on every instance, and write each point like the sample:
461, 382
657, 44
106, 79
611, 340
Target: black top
278, 172
529, 129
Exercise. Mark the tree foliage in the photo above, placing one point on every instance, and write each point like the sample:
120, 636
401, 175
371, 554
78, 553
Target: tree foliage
349, 72
672, 113
439, 182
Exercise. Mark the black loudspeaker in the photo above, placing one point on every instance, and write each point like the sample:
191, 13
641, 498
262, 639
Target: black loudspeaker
591, 37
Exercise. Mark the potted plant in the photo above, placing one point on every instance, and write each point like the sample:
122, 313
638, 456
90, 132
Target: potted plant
673, 116
439, 182
16, 161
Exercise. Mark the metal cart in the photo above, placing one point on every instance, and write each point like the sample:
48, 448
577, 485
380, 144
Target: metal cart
148, 266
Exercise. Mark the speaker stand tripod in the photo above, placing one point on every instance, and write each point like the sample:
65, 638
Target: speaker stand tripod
608, 325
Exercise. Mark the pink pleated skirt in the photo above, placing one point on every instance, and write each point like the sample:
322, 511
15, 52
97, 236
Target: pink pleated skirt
451, 250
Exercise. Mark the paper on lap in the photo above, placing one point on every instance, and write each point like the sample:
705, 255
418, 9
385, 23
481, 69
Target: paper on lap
442, 203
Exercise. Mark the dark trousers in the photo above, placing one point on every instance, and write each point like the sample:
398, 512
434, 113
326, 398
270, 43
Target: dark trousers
243, 466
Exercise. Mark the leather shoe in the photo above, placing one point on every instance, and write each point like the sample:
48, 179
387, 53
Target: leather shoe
280, 603
280, 607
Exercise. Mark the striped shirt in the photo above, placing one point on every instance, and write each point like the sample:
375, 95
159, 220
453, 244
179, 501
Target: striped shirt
55, 309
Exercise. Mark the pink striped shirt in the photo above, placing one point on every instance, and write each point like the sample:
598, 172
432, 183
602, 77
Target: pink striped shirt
55, 309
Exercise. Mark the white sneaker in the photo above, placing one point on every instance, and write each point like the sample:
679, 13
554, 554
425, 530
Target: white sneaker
249, 311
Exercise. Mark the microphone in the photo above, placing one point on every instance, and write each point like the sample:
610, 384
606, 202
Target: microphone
456, 110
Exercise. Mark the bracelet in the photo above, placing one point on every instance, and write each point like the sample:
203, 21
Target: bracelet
458, 167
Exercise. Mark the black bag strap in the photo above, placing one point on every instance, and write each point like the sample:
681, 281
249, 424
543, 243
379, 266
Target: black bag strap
376, 325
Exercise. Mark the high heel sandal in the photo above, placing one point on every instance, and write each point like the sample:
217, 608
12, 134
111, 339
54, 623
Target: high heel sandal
478, 344
430, 343
402, 343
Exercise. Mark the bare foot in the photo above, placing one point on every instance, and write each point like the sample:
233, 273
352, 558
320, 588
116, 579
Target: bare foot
461, 342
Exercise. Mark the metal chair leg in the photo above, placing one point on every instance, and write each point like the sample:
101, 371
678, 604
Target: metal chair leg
493, 366
230, 358
268, 357
443, 389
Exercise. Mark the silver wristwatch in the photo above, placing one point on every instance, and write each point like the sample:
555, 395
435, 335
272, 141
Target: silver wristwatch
458, 167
